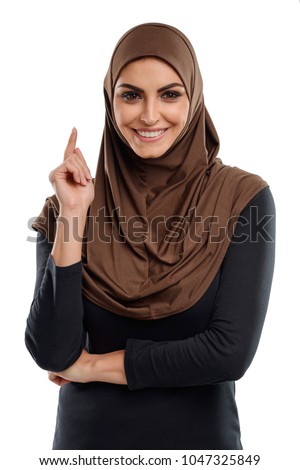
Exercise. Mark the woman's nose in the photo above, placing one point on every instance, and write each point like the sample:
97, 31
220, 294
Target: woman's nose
150, 113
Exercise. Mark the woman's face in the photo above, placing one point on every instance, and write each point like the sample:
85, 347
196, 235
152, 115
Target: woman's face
150, 106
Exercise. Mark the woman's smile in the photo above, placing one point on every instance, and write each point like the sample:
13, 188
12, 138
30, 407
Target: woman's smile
150, 135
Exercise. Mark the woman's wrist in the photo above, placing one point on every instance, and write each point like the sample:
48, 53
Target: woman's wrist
109, 367
67, 245
73, 222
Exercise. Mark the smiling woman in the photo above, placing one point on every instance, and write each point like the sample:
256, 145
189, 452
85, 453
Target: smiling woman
146, 336
158, 108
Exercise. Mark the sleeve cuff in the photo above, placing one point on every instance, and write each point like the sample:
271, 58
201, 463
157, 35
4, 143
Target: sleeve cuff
135, 360
63, 272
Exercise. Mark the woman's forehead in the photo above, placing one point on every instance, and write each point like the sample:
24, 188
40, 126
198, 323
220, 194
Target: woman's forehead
151, 69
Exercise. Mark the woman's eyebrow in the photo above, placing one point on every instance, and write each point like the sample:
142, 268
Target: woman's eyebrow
132, 87
140, 90
172, 85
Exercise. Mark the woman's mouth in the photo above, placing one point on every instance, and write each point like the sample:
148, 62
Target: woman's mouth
150, 135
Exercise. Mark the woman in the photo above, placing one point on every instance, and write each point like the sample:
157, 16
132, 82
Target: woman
152, 281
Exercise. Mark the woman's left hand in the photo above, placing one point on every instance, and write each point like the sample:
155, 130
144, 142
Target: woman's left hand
107, 367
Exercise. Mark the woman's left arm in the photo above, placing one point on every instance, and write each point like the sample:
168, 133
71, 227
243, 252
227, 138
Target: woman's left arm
224, 351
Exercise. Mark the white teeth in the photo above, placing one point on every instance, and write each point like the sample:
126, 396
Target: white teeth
150, 134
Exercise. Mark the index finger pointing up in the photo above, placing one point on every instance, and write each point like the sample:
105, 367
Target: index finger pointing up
71, 145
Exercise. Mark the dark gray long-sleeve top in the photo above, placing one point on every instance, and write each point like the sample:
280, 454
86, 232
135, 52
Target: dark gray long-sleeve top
181, 370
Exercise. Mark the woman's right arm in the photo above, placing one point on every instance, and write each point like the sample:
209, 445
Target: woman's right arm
54, 334
72, 182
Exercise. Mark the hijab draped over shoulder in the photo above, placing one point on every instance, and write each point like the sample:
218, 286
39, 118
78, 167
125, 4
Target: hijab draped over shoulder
158, 228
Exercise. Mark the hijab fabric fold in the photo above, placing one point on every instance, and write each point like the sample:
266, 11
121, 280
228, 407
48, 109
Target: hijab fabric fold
158, 228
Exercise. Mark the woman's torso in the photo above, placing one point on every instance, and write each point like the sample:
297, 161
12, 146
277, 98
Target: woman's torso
108, 416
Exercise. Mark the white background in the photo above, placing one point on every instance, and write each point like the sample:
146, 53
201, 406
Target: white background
54, 56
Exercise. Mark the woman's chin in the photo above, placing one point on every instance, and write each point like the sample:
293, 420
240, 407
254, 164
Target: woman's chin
149, 152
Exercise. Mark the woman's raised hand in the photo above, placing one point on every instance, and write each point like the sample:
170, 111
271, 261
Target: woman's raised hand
72, 180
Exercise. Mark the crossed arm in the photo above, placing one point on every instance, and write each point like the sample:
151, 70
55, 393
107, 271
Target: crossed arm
55, 335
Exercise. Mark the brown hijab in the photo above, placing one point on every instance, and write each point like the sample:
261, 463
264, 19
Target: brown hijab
158, 228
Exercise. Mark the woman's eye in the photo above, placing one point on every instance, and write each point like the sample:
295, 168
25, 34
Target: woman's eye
130, 96
171, 95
